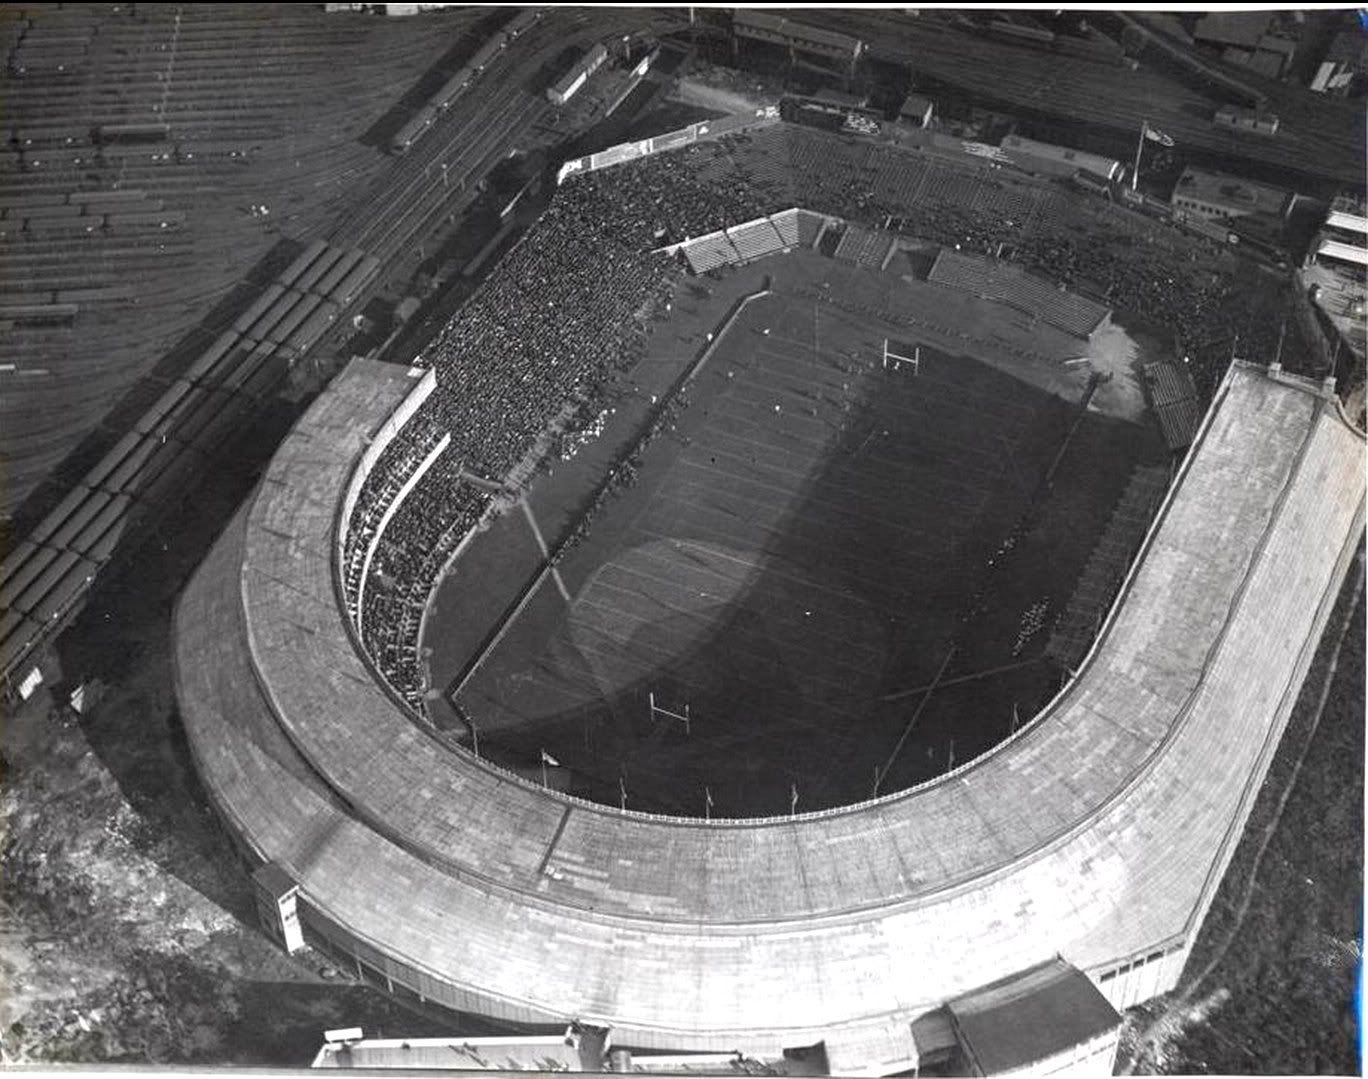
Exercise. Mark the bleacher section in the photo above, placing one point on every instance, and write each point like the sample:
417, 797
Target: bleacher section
43, 580
764, 236
709, 252
1107, 567
870, 248
1173, 396
1003, 283
756, 239
786, 224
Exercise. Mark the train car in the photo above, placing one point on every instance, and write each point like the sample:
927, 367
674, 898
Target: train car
146, 219
264, 326
19, 635
134, 470
43, 531
356, 281
453, 88
414, 130
107, 134
487, 53
259, 307
162, 407
524, 21
216, 421
97, 540
1254, 121
325, 262
17, 583
291, 322
207, 360
19, 554
314, 327
100, 472
23, 201
30, 600
39, 314
88, 510
327, 284
120, 197
66, 591
302, 262
1020, 32
50, 227
249, 369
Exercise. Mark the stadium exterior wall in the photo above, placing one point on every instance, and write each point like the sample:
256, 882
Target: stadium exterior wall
538, 948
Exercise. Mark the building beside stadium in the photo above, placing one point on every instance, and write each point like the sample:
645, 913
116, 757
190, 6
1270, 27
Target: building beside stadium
1218, 195
796, 36
997, 916
1047, 159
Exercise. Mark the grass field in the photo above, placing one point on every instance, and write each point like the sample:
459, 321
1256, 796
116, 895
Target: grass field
813, 534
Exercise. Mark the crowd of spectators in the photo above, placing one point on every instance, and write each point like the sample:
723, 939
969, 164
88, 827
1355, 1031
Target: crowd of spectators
566, 310
571, 305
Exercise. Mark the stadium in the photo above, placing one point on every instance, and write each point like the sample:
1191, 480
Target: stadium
1010, 825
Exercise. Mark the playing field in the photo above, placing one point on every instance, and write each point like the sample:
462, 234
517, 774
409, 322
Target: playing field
816, 533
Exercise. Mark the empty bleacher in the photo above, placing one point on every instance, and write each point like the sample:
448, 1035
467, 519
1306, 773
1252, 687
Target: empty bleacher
755, 239
865, 247
1177, 407
710, 252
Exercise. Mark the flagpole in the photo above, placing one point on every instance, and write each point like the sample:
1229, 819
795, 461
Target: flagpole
543, 762
1140, 145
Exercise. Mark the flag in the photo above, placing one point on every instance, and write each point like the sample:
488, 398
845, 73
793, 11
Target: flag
548, 759
1155, 135
793, 798
707, 793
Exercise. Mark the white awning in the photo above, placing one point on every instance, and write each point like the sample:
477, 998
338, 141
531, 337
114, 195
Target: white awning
1333, 249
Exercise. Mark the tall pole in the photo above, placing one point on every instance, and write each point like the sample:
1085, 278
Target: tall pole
1140, 145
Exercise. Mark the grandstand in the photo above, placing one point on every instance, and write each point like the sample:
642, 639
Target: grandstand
865, 247
1004, 283
1173, 397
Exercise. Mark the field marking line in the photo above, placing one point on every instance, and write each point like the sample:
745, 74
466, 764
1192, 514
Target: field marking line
545, 551
912, 722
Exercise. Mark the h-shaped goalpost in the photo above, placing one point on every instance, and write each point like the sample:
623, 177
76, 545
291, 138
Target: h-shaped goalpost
914, 360
657, 711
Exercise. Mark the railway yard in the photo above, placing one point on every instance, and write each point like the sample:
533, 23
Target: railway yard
655, 525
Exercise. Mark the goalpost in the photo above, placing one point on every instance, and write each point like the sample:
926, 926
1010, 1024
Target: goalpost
680, 717
913, 361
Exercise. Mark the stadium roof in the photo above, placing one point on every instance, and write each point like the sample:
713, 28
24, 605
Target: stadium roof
1099, 829
1235, 193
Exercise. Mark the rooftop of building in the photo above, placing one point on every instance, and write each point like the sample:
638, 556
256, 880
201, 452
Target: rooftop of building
1031, 1016
1234, 192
